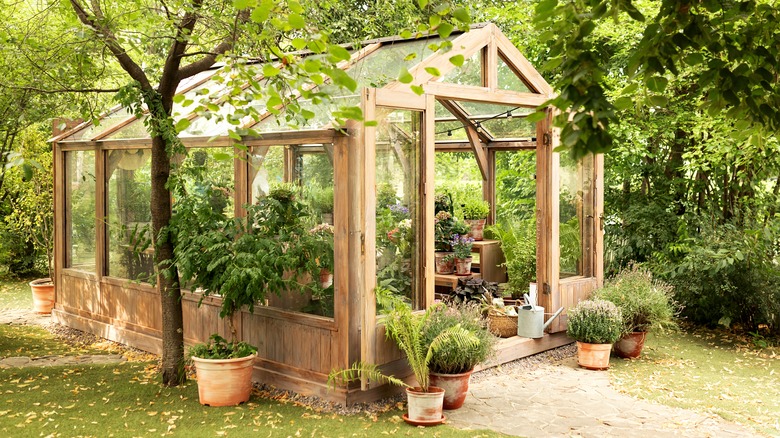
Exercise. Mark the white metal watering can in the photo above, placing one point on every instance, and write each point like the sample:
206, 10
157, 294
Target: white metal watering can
530, 321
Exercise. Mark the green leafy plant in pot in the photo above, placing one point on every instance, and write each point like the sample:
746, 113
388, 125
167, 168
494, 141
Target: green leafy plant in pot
475, 213
405, 329
595, 325
645, 304
452, 364
240, 260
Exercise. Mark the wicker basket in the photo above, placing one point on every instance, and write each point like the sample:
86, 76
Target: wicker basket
501, 325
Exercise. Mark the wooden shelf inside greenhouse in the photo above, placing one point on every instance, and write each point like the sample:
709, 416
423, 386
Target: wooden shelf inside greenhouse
451, 280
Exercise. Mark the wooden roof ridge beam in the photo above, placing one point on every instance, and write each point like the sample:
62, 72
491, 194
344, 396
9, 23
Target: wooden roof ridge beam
470, 93
520, 65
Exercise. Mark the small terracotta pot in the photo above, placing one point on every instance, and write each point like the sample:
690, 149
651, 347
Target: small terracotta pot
326, 278
444, 267
593, 356
455, 386
630, 345
477, 228
224, 382
425, 406
463, 266
43, 295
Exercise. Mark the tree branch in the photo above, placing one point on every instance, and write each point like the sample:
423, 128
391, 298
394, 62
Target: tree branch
210, 58
110, 40
60, 90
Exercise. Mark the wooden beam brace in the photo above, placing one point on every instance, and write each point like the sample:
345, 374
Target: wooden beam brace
479, 151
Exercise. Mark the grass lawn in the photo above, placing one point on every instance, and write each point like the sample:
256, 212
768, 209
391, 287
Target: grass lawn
15, 294
33, 341
709, 371
126, 400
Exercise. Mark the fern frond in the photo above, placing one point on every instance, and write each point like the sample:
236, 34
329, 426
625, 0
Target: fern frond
359, 370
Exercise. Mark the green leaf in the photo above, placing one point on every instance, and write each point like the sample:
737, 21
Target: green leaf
624, 103
422, 3
341, 78
296, 21
546, 6
433, 71
339, 53
241, 4
457, 60
222, 156
270, 71
178, 98
462, 15
261, 13
552, 64
434, 20
418, 89
657, 84
658, 101
295, 6
536, 116
445, 29
405, 77
273, 102
298, 43
182, 124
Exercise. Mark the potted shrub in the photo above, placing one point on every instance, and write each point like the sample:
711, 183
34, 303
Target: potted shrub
595, 325
321, 201
405, 328
475, 212
645, 304
461, 247
240, 260
452, 364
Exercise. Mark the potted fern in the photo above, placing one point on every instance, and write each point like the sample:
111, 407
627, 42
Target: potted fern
241, 260
405, 328
452, 364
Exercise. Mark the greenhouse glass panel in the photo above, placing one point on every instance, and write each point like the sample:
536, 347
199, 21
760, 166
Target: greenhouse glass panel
266, 168
130, 253
110, 121
576, 214
470, 73
80, 212
508, 80
398, 212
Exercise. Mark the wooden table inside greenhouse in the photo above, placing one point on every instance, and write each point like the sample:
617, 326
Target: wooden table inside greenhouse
451, 280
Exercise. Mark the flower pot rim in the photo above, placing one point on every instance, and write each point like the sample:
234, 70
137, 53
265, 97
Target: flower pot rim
419, 390
453, 375
42, 282
232, 359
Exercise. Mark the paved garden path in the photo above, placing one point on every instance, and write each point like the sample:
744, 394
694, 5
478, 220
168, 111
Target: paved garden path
27, 317
563, 400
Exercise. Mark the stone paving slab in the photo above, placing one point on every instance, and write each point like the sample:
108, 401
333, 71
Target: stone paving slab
563, 400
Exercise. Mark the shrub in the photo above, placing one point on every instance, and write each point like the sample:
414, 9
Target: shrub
518, 242
453, 358
475, 209
595, 322
644, 302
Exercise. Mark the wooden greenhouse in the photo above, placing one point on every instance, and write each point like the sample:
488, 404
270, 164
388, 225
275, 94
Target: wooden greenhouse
467, 133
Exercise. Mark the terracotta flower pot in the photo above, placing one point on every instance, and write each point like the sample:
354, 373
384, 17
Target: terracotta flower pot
326, 278
477, 228
630, 345
593, 356
224, 382
455, 386
445, 263
463, 266
424, 408
43, 295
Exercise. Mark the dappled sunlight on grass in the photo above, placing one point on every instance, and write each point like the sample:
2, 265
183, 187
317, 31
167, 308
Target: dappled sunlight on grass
710, 371
15, 294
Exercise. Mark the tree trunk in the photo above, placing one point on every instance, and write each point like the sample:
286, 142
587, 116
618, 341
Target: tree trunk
168, 278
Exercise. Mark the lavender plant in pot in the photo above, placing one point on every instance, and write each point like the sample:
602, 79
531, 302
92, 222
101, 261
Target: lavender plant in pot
645, 304
461, 247
595, 325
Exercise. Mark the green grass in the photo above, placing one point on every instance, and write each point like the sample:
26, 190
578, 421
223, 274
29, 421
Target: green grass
15, 294
125, 400
34, 341
708, 371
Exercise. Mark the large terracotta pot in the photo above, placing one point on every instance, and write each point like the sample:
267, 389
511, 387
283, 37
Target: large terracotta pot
477, 228
593, 356
463, 266
224, 382
444, 262
455, 386
424, 408
43, 295
630, 345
